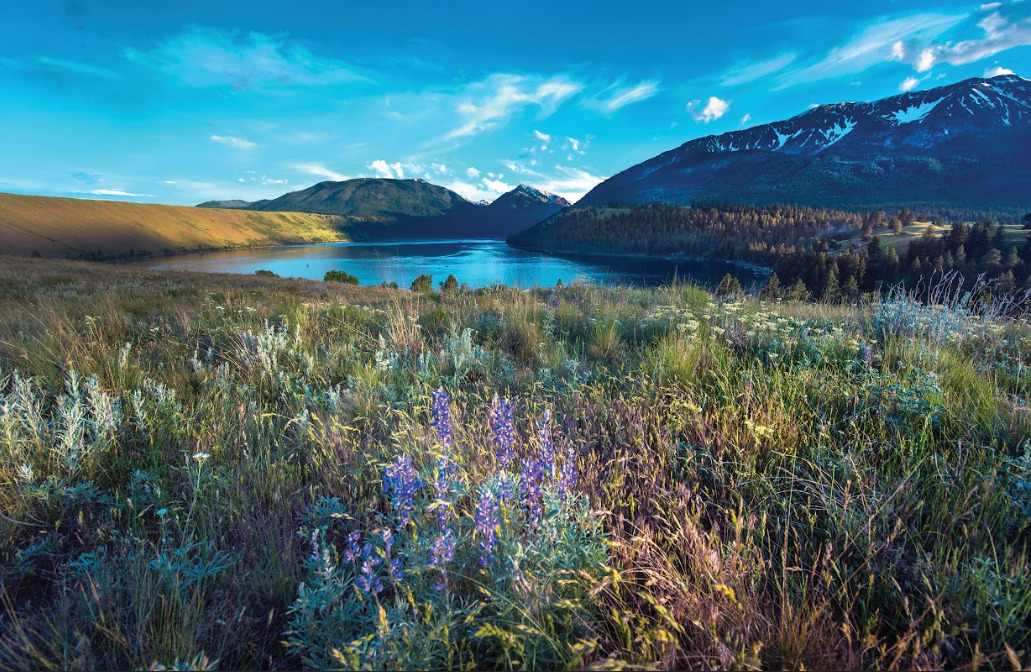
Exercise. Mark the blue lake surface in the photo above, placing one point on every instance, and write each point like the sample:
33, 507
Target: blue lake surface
479, 263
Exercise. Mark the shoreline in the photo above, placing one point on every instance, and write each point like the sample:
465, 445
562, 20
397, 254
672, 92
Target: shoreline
759, 269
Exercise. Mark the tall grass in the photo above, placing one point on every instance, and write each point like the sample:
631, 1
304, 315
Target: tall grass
201, 472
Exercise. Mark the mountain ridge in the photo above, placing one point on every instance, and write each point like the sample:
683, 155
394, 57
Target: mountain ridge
962, 144
383, 208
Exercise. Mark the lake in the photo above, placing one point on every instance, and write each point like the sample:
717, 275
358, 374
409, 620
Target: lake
477, 262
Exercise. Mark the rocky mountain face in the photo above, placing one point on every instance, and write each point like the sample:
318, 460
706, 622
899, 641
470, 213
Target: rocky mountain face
966, 145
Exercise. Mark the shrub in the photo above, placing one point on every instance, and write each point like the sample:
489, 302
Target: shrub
340, 276
450, 285
423, 283
265, 273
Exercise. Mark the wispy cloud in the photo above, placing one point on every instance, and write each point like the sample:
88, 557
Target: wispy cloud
209, 57
618, 97
891, 38
238, 143
744, 73
490, 103
59, 65
1000, 34
713, 109
571, 183
472, 172
115, 192
319, 170
909, 83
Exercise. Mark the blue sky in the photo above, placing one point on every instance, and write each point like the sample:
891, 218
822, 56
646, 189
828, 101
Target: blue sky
181, 102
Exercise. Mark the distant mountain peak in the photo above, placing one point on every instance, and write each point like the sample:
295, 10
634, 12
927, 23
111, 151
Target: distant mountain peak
906, 147
527, 191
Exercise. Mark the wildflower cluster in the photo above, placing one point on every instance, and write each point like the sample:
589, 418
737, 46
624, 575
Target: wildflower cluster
401, 482
501, 415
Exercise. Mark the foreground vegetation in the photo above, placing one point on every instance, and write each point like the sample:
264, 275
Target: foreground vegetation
254, 472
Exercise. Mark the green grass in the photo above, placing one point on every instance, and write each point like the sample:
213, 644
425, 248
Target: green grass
181, 453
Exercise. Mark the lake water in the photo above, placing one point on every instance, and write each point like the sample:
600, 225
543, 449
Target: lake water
477, 262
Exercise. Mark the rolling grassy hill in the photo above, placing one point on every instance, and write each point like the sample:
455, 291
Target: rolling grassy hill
69, 227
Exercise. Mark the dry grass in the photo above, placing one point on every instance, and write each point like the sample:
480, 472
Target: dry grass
69, 227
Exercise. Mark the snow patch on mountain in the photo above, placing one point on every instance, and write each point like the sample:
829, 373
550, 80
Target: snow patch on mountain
915, 112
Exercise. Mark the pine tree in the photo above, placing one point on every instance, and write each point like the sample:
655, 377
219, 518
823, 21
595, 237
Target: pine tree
798, 291
771, 290
729, 286
831, 289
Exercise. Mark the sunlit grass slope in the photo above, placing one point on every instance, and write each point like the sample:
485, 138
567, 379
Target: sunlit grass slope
229, 472
69, 227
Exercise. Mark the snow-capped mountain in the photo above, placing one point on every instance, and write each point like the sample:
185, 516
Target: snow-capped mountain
523, 207
965, 144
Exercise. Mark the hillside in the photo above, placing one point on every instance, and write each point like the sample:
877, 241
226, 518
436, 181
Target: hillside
963, 146
379, 208
69, 227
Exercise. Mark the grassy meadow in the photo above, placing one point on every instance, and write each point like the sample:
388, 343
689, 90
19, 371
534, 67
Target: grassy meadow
79, 228
242, 472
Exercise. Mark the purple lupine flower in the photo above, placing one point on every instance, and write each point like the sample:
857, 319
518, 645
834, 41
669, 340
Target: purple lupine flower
401, 482
395, 566
367, 580
866, 354
501, 416
353, 550
442, 505
443, 552
576, 300
547, 445
530, 479
554, 302
442, 416
486, 522
567, 481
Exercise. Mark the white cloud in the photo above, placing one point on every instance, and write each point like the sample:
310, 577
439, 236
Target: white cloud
209, 57
472, 172
571, 183
239, 143
169, 182
488, 104
749, 72
996, 71
988, 6
745, 119
497, 185
543, 137
440, 168
319, 170
620, 97
484, 190
714, 109
909, 83
396, 170
1000, 34
384, 169
114, 192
